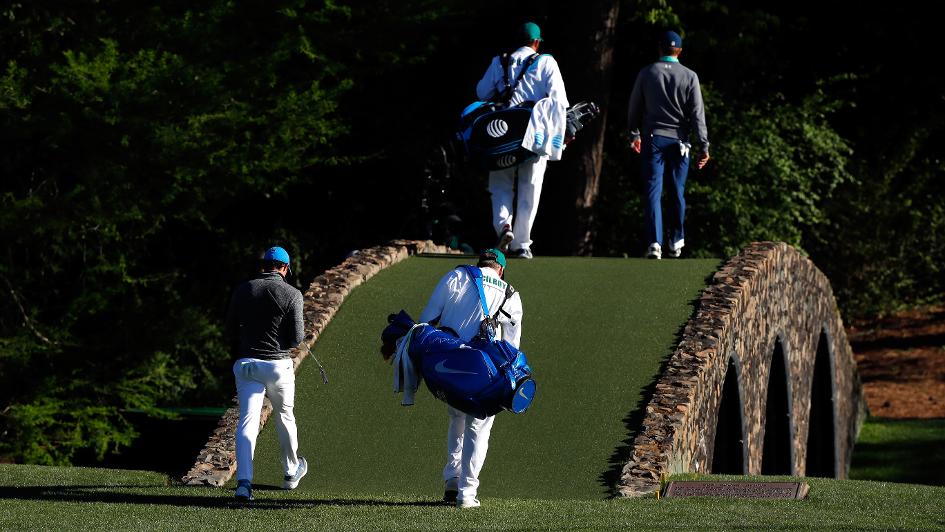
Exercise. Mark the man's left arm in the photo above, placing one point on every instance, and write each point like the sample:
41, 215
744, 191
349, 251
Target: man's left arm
512, 324
296, 332
556, 90
697, 117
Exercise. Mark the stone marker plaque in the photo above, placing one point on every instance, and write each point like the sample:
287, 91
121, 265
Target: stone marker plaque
742, 490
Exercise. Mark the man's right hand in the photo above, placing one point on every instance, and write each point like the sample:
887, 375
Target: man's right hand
635, 144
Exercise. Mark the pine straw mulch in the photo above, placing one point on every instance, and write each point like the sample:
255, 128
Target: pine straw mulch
901, 361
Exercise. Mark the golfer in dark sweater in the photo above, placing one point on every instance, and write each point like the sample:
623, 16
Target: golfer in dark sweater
263, 323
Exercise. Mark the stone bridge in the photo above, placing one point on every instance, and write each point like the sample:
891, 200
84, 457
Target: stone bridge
763, 380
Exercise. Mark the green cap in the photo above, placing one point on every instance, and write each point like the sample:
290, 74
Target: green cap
493, 254
531, 32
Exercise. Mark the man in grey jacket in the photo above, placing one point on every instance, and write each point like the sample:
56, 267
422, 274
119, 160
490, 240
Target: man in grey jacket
263, 323
666, 104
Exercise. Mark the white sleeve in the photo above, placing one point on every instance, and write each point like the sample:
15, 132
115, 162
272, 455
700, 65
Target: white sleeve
512, 324
437, 301
486, 88
556, 90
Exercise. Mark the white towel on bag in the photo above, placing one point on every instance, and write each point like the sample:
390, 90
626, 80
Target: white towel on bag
406, 375
546, 128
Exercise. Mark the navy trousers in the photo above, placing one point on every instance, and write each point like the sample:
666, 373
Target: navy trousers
662, 158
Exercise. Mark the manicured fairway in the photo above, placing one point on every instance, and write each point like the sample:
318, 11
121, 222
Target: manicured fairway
595, 332
72, 498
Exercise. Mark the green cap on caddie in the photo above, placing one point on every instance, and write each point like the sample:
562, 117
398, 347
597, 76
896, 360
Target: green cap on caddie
493, 254
531, 32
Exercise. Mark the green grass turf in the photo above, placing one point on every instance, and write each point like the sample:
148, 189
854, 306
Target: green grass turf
904, 450
595, 332
56, 498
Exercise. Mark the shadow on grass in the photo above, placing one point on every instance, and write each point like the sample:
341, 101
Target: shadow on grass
116, 495
910, 451
633, 422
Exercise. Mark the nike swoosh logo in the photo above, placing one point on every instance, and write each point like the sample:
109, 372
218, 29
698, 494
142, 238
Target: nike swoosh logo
441, 368
521, 393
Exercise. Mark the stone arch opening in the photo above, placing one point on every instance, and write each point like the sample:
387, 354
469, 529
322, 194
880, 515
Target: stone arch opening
776, 455
728, 455
822, 426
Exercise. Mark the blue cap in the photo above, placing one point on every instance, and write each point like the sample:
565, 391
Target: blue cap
278, 254
671, 39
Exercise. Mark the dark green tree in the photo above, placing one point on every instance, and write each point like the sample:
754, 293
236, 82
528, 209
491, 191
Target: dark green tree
136, 139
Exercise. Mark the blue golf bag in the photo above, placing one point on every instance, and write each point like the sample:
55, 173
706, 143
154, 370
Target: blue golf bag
481, 377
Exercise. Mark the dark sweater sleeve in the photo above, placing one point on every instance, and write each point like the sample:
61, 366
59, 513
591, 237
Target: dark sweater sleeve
697, 114
293, 319
635, 108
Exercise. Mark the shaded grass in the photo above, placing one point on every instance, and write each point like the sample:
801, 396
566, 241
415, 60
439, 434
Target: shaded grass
54, 498
595, 332
901, 450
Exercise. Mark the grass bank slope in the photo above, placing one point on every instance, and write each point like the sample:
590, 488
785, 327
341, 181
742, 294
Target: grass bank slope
595, 332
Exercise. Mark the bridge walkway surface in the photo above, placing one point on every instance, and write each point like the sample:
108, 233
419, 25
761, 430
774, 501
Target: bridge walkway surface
596, 331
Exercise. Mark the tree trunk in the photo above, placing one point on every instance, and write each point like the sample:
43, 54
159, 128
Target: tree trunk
591, 56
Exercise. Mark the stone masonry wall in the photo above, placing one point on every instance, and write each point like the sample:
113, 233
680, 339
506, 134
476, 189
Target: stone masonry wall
767, 293
216, 462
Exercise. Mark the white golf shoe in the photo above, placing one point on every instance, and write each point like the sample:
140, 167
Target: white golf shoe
290, 482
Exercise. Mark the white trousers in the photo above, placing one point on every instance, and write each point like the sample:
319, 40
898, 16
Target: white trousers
501, 186
254, 380
467, 442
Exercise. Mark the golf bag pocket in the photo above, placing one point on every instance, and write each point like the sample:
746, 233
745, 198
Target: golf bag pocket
462, 376
492, 135
518, 387
464, 380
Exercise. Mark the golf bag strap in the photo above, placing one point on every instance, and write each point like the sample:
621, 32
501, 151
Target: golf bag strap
506, 95
504, 61
476, 274
508, 293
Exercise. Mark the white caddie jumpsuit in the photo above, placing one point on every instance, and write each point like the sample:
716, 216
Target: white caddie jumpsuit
455, 301
542, 79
